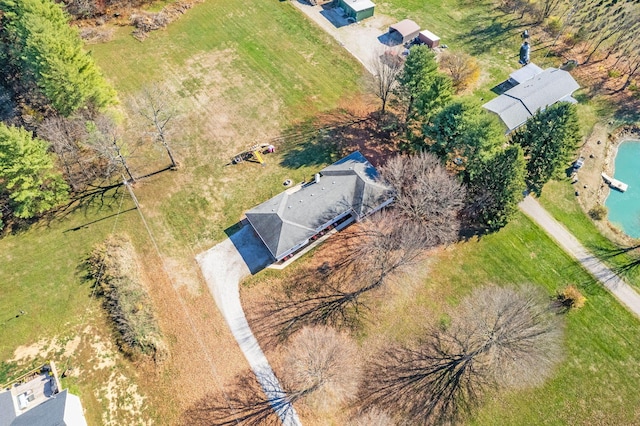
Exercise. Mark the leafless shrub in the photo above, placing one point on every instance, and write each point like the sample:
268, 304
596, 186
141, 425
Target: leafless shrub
112, 265
426, 193
461, 67
322, 366
145, 22
94, 35
502, 337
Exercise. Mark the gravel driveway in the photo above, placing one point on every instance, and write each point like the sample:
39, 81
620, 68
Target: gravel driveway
224, 266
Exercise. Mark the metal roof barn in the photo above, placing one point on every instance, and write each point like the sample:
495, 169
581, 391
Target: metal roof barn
406, 29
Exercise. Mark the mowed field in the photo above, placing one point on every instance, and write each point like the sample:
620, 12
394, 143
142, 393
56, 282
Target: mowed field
238, 73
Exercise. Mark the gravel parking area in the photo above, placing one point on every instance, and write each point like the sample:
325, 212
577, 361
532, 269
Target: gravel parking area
362, 39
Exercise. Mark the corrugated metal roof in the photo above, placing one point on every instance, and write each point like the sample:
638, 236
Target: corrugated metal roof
406, 27
519, 103
359, 5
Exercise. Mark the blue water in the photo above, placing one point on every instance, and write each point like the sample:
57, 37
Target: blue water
624, 208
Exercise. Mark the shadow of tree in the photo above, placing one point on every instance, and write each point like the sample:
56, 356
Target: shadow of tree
241, 403
488, 30
332, 135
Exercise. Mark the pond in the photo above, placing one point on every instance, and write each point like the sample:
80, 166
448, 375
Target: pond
624, 207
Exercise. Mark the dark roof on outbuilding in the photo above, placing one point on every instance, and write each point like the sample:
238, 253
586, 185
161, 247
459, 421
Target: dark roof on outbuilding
293, 216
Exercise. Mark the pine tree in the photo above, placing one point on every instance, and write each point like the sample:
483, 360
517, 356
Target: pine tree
422, 86
465, 136
549, 139
498, 188
27, 173
48, 53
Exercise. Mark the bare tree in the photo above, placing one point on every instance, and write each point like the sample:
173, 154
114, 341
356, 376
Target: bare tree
386, 67
461, 67
322, 367
68, 138
105, 137
426, 193
360, 261
154, 105
498, 337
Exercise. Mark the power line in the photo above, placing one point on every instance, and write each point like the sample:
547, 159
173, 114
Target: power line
181, 300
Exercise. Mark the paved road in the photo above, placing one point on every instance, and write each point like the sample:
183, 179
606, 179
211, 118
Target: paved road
223, 267
625, 294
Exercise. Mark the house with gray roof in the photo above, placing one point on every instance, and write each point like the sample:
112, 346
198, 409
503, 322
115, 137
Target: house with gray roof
542, 89
344, 192
35, 400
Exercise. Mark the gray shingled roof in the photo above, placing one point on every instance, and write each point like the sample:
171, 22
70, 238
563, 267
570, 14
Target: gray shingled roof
7, 412
62, 409
519, 103
292, 217
49, 413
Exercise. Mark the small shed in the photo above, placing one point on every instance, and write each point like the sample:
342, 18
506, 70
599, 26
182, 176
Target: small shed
429, 38
357, 9
406, 29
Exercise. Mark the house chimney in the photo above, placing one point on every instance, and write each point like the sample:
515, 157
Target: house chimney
317, 178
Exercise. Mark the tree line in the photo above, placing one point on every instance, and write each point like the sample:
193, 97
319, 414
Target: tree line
60, 134
471, 142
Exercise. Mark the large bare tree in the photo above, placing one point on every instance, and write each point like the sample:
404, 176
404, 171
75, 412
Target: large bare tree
498, 337
322, 367
386, 66
66, 136
155, 105
426, 193
360, 261
105, 137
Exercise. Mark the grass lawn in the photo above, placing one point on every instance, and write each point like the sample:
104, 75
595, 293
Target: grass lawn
597, 381
559, 199
240, 73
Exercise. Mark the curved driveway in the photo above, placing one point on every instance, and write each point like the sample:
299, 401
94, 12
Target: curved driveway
223, 267
612, 282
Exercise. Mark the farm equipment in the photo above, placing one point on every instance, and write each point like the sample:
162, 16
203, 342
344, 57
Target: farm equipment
254, 154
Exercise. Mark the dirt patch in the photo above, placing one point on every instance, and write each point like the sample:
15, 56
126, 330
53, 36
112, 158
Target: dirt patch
29, 352
121, 396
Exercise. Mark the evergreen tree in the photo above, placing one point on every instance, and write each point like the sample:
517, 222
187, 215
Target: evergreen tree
465, 136
48, 53
27, 173
549, 140
421, 85
497, 188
